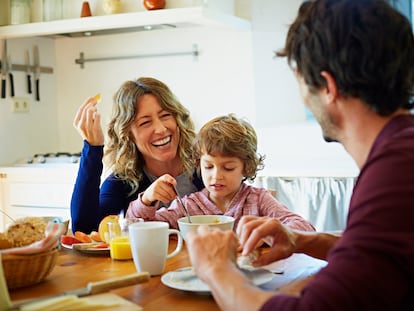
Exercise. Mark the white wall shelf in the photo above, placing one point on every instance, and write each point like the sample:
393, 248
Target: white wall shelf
127, 22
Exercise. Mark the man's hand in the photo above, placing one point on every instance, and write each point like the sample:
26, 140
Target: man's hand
211, 250
253, 231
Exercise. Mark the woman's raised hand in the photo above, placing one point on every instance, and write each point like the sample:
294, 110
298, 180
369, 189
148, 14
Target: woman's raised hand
88, 122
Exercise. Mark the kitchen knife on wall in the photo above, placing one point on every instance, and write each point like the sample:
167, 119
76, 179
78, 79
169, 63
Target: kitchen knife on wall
28, 73
94, 287
9, 63
4, 69
37, 71
3, 81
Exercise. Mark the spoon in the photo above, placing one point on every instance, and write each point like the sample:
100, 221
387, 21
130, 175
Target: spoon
182, 204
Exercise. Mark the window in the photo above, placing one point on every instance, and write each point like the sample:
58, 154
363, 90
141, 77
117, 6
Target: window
412, 13
406, 7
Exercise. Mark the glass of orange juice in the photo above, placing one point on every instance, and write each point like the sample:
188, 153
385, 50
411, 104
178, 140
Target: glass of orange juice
119, 245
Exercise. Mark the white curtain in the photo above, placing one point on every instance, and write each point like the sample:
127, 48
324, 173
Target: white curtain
323, 201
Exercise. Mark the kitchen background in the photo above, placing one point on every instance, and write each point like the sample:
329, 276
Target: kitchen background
235, 71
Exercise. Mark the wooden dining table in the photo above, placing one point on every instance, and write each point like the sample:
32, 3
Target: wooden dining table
75, 269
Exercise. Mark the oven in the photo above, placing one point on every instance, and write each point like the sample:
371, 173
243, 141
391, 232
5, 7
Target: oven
49, 159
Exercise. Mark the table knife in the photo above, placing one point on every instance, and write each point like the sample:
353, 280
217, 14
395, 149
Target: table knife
28, 73
37, 71
93, 288
9, 63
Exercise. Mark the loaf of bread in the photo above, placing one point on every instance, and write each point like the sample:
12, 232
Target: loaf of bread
5, 241
23, 232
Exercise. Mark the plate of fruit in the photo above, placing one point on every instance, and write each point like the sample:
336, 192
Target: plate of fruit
93, 243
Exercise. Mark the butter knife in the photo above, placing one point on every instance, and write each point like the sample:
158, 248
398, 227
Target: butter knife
93, 288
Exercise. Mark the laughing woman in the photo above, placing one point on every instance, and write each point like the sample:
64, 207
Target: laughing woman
148, 150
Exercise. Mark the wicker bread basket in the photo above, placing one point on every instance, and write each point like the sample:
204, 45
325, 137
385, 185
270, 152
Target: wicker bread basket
26, 270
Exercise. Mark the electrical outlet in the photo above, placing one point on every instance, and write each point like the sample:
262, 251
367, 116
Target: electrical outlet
20, 104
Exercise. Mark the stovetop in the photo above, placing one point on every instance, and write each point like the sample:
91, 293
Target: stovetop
50, 158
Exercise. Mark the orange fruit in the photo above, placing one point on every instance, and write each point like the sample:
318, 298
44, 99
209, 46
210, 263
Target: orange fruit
83, 237
103, 226
95, 236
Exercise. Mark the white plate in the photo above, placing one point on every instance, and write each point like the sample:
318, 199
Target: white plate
66, 245
185, 279
87, 249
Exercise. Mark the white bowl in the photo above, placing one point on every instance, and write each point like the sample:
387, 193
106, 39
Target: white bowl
218, 221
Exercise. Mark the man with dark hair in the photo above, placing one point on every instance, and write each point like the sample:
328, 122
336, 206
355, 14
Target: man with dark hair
354, 63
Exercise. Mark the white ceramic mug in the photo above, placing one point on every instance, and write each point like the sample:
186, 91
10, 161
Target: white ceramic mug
149, 245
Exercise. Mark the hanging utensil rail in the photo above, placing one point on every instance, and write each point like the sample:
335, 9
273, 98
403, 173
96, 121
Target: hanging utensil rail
19, 67
82, 60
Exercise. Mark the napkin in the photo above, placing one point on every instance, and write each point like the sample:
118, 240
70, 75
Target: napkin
53, 233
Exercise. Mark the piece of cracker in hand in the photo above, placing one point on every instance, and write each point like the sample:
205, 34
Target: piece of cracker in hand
246, 262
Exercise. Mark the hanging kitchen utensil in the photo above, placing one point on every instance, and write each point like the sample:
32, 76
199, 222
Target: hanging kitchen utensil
37, 71
3, 81
4, 69
11, 80
28, 73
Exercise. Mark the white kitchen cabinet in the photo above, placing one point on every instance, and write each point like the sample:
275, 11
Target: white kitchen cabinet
127, 22
36, 191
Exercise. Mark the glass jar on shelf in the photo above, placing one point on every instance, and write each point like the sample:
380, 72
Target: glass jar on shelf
4, 12
52, 10
19, 12
37, 11
112, 6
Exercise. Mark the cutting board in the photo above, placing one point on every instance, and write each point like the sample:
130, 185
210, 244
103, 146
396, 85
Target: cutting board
107, 301
124, 305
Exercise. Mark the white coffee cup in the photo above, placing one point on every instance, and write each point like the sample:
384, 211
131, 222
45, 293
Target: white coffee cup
149, 245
